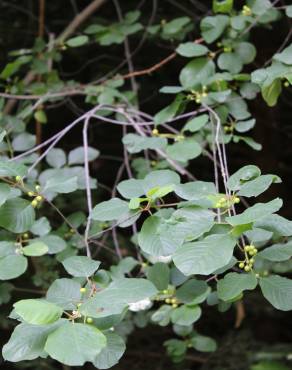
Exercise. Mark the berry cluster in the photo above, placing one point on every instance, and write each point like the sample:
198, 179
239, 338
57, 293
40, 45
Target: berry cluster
247, 264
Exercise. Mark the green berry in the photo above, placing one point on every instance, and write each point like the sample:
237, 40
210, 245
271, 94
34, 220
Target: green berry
286, 84
82, 290
165, 291
34, 203
174, 305
247, 268
18, 178
241, 265
89, 320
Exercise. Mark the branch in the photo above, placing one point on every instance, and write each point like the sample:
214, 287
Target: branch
79, 19
69, 30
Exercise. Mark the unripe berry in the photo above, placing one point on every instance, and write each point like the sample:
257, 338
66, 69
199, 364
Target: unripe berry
247, 268
286, 84
89, 320
236, 200
39, 198
34, 203
247, 248
168, 300
82, 290
18, 178
174, 305
25, 235
155, 132
165, 291
173, 300
30, 194
241, 265
251, 261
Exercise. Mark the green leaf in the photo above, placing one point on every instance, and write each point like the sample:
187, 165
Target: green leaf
23, 142
278, 291
111, 354
193, 292
285, 56
288, 11
37, 312
205, 256
40, 116
35, 249
174, 26
230, 62
76, 156
185, 315
136, 143
259, 7
243, 126
245, 51
17, 215
203, 344
5, 292
12, 266
195, 190
277, 252
117, 296
65, 293
244, 174
159, 275
80, 266
189, 223
271, 92
257, 186
54, 243
4, 193
12, 169
41, 227
168, 112
27, 342
222, 6
195, 124
134, 203
77, 41
75, 344
277, 224
162, 315
56, 158
184, 150
191, 49
213, 27
61, 184
255, 212
158, 238
233, 284
110, 210
196, 73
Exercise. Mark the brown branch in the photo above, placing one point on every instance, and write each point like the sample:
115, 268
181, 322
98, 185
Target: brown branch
41, 31
240, 314
155, 66
79, 19
69, 30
